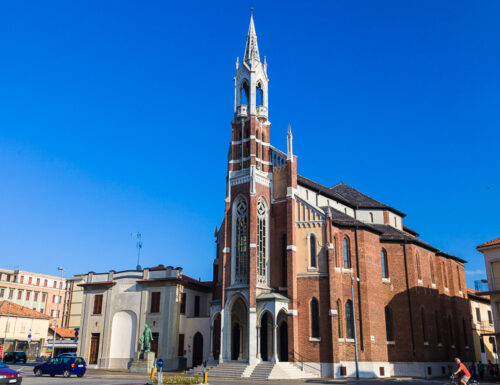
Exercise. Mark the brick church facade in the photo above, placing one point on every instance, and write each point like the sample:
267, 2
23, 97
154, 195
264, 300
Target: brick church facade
289, 249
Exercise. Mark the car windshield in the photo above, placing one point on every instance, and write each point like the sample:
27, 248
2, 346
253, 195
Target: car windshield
2, 365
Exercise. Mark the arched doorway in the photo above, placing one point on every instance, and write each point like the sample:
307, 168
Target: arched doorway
282, 337
122, 345
264, 330
197, 349
239, 330
216, 337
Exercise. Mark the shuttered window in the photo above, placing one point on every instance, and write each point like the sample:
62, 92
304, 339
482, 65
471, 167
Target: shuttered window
183, 303
98, 304
155, 302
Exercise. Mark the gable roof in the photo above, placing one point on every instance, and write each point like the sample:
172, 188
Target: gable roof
64, 332
347, 195
494, 242
20, 311
359, 199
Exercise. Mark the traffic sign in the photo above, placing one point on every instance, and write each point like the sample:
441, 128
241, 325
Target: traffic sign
159, 363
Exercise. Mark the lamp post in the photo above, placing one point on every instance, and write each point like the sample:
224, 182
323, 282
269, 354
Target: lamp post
60, 268
354, 324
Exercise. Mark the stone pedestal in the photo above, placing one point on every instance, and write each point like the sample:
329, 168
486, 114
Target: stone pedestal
143, 362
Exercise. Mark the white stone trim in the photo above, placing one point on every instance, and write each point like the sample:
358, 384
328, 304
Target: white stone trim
311, 274
386, 280
329, 246
313, 339
252, 245
293, 312
291, 192
333, 312
391, 342
226, 250
433, 285
420, 282
347, 271
460, 292
310, 268
240, 180
291, 247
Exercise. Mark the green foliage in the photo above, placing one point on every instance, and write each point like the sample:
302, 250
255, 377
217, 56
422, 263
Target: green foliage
180, 380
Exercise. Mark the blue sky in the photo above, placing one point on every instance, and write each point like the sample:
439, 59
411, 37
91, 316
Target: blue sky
115, 118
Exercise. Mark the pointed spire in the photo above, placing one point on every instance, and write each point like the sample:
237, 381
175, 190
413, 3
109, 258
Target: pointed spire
251, 48
289, 144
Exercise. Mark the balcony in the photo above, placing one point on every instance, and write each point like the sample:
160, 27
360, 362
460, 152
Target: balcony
242, 111
262, 112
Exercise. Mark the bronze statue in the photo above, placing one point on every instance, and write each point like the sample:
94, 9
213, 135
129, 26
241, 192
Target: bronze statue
146, 338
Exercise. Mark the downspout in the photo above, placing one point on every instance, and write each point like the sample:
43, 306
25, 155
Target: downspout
361, 345
409, 299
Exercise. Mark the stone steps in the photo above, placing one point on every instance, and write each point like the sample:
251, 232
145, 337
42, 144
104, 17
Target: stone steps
262, 371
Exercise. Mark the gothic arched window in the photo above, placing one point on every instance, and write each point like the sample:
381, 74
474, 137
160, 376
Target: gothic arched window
314, 318
312, 250
384, 263
259, 95
262, 240
339, 317
244, 91
419, 272
433, 274
349, 319
388, 324
347, 254
240, 216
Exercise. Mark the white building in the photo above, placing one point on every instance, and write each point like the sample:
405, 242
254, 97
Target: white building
117, 305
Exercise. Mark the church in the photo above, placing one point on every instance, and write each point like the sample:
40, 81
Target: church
315, 276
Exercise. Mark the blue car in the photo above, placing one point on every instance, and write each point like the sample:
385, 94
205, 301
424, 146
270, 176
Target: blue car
62, 365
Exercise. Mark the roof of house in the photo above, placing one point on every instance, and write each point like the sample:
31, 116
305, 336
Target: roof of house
476, 295
184, 279
493, 242
17, 310
64, 332
347, 195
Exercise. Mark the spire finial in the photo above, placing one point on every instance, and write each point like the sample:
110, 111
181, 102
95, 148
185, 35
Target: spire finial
251, 48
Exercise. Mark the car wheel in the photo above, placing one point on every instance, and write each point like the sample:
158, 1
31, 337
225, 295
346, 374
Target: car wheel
66, 373
38, 373
80, 375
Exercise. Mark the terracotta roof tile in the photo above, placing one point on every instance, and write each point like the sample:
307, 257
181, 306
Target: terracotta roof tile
21, 311
493, 242
64, 332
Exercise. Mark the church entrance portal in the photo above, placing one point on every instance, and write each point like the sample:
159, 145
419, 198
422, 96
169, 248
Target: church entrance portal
197, 349
283, 341
264, 331
239, 331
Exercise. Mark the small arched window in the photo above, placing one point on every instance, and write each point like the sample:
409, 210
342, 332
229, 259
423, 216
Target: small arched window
335, 253
349, 319
384, 262
312, 250
438, 327
445, 277
244, 93
388, 324
419, 272
339, 316
314, 318
459, 280
424, 326
371, 217
433, 274
347, 255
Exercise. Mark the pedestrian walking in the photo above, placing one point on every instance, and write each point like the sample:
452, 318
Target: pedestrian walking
480, 369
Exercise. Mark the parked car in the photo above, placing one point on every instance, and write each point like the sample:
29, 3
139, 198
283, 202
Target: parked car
67, 355
9, 376
14, 357
62, 365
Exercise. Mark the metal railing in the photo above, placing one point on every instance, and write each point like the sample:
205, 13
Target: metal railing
300, 359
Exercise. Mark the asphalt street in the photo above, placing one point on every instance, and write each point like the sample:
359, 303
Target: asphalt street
98, 377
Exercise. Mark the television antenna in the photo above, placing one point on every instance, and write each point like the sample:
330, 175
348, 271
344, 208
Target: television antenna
138, 245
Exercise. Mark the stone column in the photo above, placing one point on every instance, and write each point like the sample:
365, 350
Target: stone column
211, 352
275, 344
259, 358
223, 348
252, 338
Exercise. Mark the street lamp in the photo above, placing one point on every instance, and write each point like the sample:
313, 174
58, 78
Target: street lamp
354, 324
60, 268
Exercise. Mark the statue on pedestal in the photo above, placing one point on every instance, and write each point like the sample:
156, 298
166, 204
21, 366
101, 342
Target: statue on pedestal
145, 339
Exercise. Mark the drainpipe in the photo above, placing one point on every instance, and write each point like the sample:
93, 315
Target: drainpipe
409, 299
361, 344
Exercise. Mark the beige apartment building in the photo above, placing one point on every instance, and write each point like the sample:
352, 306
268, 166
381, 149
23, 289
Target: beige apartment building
22, 329
42, 293
483, 330
73, 303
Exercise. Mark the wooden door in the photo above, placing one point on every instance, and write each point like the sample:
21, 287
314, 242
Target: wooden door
94, 348
154, 343
197, 349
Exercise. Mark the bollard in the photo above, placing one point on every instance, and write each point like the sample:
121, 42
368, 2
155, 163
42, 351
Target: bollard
152, 372
205, 377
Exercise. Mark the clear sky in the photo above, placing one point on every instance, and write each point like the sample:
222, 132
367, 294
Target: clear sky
115, 118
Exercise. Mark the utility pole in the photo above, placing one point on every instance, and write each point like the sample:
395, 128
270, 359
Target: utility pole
354, 323
57, 318
6, 328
